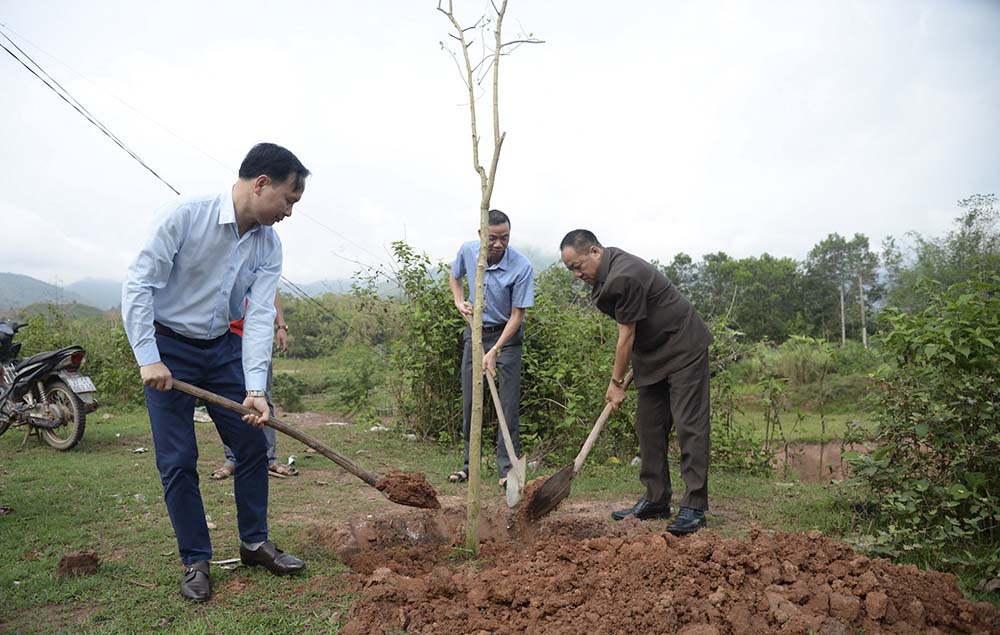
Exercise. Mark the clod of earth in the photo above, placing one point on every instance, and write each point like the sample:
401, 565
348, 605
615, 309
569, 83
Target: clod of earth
576, 576
82, 562
408, 488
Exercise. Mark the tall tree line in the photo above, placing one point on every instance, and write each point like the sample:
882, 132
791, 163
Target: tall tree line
838, 290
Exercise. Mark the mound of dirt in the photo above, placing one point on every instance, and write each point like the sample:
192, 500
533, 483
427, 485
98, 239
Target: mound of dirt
586, 576
82, 562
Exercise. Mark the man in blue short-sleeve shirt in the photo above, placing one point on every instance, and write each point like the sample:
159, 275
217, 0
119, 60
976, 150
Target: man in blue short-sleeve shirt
509, 289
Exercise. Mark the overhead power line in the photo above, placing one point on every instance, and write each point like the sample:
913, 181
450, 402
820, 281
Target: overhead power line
65, 95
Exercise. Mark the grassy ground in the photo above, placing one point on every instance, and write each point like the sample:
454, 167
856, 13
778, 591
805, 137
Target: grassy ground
104, 495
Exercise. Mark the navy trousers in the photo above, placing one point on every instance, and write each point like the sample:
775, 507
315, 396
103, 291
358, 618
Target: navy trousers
216, 367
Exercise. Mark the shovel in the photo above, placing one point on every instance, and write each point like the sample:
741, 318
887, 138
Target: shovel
404, 489
518, 469
556, 488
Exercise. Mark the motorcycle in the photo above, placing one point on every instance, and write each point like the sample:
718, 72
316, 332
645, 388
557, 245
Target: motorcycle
45, 392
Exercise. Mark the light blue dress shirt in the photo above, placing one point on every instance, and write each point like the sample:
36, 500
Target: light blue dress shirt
195, 274
509, 283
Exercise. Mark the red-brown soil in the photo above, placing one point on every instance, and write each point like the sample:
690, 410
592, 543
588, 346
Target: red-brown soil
408, 488
82, 562
585, 575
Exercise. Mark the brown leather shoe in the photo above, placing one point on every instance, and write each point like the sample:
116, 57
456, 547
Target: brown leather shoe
196, 585
271, 558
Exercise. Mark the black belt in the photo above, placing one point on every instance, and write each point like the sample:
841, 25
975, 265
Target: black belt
493, 328
168, 332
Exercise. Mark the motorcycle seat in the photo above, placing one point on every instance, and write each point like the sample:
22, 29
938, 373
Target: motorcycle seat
44, 357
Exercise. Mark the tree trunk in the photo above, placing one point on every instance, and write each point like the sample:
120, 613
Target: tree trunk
843, 323
864, 321
486, 182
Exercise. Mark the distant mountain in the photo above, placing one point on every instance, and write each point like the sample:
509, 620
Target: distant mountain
104, 294
316, 289
17, 291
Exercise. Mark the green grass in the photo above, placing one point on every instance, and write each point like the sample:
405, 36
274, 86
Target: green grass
104, 496
804, 426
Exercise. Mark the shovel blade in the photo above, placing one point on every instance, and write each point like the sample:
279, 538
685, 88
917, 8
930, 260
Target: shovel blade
551, 493
515, 481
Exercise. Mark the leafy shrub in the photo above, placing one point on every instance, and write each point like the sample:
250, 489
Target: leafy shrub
110, 361
733, 447
287, 391
933, 484
354, 386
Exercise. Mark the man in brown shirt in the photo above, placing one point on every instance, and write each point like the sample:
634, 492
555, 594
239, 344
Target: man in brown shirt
666, 343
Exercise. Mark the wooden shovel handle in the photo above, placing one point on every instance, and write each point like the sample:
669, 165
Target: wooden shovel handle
295, 433
592, 438
505, 431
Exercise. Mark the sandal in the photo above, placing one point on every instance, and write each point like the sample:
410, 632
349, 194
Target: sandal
281, 471
458, 477
222, 473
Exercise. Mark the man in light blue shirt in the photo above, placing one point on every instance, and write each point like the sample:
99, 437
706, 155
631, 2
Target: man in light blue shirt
207, 257
509, 289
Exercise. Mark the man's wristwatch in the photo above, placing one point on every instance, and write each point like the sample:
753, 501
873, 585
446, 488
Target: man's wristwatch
618, 382
283, 327
256, 393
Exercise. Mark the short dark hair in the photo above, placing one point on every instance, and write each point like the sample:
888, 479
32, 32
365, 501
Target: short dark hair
580, 240
275, 162
498, 218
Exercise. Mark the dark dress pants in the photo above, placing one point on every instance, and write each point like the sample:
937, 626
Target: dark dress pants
509, 386
682, 401
217, 367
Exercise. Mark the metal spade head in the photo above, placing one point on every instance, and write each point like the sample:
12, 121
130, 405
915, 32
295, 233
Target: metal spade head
551, 493
516, 481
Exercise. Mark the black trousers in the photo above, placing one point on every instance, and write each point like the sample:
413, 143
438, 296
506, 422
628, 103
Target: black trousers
509, 387
682, 401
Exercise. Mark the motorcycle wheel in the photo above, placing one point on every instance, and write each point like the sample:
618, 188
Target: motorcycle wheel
66, 436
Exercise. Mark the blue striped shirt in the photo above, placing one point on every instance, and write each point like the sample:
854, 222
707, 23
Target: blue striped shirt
509, 283
194, 274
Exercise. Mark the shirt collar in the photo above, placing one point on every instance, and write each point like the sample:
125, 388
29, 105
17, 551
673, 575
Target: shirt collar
227, 213
605, 267
227, 208
503, 261
602, 272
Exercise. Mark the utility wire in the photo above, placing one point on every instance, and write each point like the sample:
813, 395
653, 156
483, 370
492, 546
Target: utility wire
66, 96
116, 97
158, 124
76, 105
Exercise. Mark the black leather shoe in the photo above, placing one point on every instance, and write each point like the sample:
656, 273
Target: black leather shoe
644, 510
688, 521
271, 558
196, 585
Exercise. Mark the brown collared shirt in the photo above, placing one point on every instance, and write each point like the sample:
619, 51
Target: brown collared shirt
669, 334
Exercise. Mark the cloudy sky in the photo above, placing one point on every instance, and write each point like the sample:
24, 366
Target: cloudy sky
663, 126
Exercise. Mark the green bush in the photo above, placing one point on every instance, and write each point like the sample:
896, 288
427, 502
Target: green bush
287, 391
110, 361
933, 485
355, 384
733, 446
